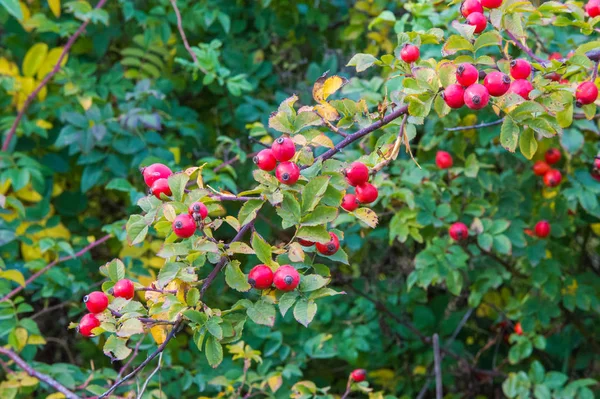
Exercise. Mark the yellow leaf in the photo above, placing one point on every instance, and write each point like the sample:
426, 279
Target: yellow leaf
13, 275
327, 111
419, 370
275, 382
595, 226
54, 7
42, 93
34, 58
85, 102
176, 151
159, 333
56, 395
28, 381
44, 124
50, 61
26, 15
28, 194
322, 140
324, 86
21, 335
36, 340
8, 68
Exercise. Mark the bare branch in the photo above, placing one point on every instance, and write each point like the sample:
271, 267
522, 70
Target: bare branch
478, 126
525, 48
182, 32
150, 376
437, 361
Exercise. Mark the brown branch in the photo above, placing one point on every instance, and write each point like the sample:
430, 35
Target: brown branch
437, 362
46, 79
525, 48
348, 388
131, 357
40, 376
184, 37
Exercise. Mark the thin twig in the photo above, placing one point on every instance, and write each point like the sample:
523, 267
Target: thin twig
182, 32
395, 149
525, 48
478, 126
348, 388
437, 366
333, 128
131, 357
150, 377
595, 74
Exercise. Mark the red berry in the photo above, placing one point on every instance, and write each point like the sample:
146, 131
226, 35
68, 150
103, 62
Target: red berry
478, 20
357, 173
553, 76
87, 323
586, 93
286, 278
283, 149
410, 53
454, 95
330, 247
443, 160
123, 289
184, 225
305, 243
497, 83
366, 193
521, 87
520, 69
593, 8
470, 6
198, 209
552, 178
349, 202
491, 3
154, 172
477, 96
466, 74
555, 56
96, 302
265, 160
458, 231
287, 173
542, 229
518, 329
260, 277
358, 375
552, 156
596, 165
161, 186
540, 168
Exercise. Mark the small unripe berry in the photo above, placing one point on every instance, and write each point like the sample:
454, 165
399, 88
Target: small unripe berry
286, 278
586, 93
521, 87
518, 328
161, 186
283, 149
349, 202
540, 168
478, 20
497, 83
443, 160
552, 156
287, 173
184, 225
593, 8
470, 6
305, 243
477, 96
410, 53
330, 247
87, 323
198, 209
358, 375
458, 231
520, 69
552, 178
260, 277
542, 229
366, 193
357, 173
454, 95
154, 172
96, 302
466, 74
123, 289
265, 160
491, 3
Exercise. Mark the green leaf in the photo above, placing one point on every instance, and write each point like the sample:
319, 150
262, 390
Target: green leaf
289, 210
509, 134
192, 297
528, 144
177, 184
136, 228
314, 233
287, 300
195, 316
321, 215
116, 348
116, 270
262, 249
312, 282
213, 351
454, 282
213, 327
168, 273
456, 43
312, 193
361, 61
305, 311
249, 210
130, 327
262, 312
555, 379
471, 166
491, 38
120, 184
235, 278
13, 7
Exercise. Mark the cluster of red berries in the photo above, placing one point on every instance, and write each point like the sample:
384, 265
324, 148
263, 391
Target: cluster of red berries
185, 225
357, 175
552, 177
472, 10
282, 150
329, 248
541, 229
155, 177
97, 302
285, 278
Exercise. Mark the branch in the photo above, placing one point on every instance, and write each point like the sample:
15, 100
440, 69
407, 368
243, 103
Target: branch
42, 377
526, 49
150, 377
395, 150
46, 79
437, 361
52, 264
487, 124
348, 388
182, 32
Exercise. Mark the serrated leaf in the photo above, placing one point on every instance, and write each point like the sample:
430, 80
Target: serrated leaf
368, 216
313, 192
130, 327
177, 183
167, 273
287, 300
116, 348
249, 210
262, 249
213, 351
509, 134
235, 278
195, 316
295, 252
321, 215
289, 210
116, 270
312, 282
491, 38
305, 311
456, 43
528, 144
192, 297
361, 61
262, 312
239, 247
13, 7
314, 233
136, 228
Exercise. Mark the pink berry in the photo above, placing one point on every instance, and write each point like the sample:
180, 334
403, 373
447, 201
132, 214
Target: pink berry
478, 20
283, 149
521, 87
470, 6
587, 93
443, 160
265, 160
520, 69
454, 95
497, 83
410, 53
466, 74
476, 96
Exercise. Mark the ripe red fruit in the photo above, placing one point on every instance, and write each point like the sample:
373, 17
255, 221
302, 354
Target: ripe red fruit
123, 289
470, 6
265, 160
593, 8
366, 193
161, 186
260, 277
552, 156
358, 375
497, 83
491, 3
477, 96
586, 93
305, 243
330, 247
154, 172
478, 20
410, 53
518, 328
443, 160
198, 210
283, 149
458, 231
349, 202
542, 229
555, 56
466, 74
357, 173
87, 323
521, 87
540, 168
596, 165
96, 302
520, 69
287, 173
552, 178
184, 225
454, 95
286, 278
